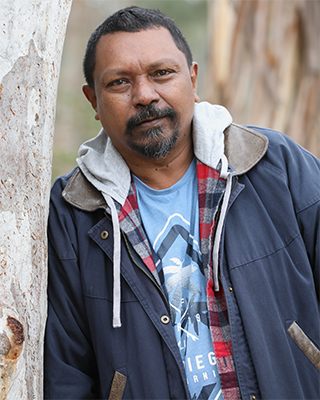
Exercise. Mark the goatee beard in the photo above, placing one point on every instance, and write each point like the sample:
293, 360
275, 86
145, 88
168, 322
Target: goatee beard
158, 145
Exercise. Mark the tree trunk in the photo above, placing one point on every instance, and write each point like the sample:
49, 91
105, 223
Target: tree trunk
31, 41
264, 64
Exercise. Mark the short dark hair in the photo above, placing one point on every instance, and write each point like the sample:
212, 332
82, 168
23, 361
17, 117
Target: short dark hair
131, 19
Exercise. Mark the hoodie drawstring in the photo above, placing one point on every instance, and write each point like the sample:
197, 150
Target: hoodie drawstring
116, 322
216, 245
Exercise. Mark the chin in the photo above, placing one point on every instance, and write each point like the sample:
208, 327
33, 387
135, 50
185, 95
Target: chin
157, 145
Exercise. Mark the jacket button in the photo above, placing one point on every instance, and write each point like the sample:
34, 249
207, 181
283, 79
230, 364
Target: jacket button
104, 235
253, 397
230, 288
165, 319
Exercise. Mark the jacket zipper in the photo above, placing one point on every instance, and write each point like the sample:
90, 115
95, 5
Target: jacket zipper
148, 275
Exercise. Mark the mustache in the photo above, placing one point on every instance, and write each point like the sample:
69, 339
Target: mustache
149, 112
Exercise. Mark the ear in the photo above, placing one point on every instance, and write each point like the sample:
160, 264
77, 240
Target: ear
91, 97
194, 77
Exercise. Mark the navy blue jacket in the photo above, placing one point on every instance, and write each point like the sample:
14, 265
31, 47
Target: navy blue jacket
269, 268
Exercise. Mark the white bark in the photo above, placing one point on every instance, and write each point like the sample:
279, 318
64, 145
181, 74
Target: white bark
31, 40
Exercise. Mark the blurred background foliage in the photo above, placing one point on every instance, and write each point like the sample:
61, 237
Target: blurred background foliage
258, 58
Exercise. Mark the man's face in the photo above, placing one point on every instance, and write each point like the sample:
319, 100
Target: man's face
144, 93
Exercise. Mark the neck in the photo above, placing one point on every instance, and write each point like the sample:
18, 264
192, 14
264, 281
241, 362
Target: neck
165, 172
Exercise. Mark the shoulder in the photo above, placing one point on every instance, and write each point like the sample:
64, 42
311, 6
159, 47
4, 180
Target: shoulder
77, 191
59, 184
249, 147
282, 150
287, 161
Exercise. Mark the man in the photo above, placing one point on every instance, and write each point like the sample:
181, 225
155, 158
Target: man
184, 250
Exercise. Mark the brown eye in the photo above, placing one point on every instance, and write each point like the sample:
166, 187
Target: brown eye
118, 82
162, 72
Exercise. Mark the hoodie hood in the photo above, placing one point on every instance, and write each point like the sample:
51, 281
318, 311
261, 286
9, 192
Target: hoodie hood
209, 123
107, 171
104, 167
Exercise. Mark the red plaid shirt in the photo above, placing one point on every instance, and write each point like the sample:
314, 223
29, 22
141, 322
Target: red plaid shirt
210, 191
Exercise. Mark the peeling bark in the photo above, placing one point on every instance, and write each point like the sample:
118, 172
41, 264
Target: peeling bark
31, 40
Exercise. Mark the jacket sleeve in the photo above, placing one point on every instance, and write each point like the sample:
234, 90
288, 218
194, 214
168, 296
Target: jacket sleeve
307, 205
302, 171
70, 368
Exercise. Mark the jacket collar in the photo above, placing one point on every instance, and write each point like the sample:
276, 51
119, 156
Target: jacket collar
244, 148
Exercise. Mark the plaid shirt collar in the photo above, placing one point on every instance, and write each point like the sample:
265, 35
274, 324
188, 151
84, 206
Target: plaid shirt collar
210, 191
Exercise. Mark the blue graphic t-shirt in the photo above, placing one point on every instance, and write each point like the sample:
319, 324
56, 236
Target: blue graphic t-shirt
171, 221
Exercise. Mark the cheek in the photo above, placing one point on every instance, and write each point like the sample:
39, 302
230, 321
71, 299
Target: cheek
109, 109
116, 105
186, 100
113, 117
182, 93
112, 124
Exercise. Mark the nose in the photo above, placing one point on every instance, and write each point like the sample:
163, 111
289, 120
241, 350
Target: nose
144, 92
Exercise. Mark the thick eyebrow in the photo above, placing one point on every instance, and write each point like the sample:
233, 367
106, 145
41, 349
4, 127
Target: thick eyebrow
162, 62
153, 66
113, 72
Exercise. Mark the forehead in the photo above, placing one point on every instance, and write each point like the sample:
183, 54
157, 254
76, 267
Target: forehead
136, 47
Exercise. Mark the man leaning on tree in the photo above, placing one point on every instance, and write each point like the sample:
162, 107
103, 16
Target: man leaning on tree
184, 248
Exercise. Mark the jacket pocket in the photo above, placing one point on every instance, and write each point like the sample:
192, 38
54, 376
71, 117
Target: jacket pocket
117, 386
305, 344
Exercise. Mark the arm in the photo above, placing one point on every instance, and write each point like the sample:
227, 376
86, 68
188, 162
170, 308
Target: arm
70, 368
302, 171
